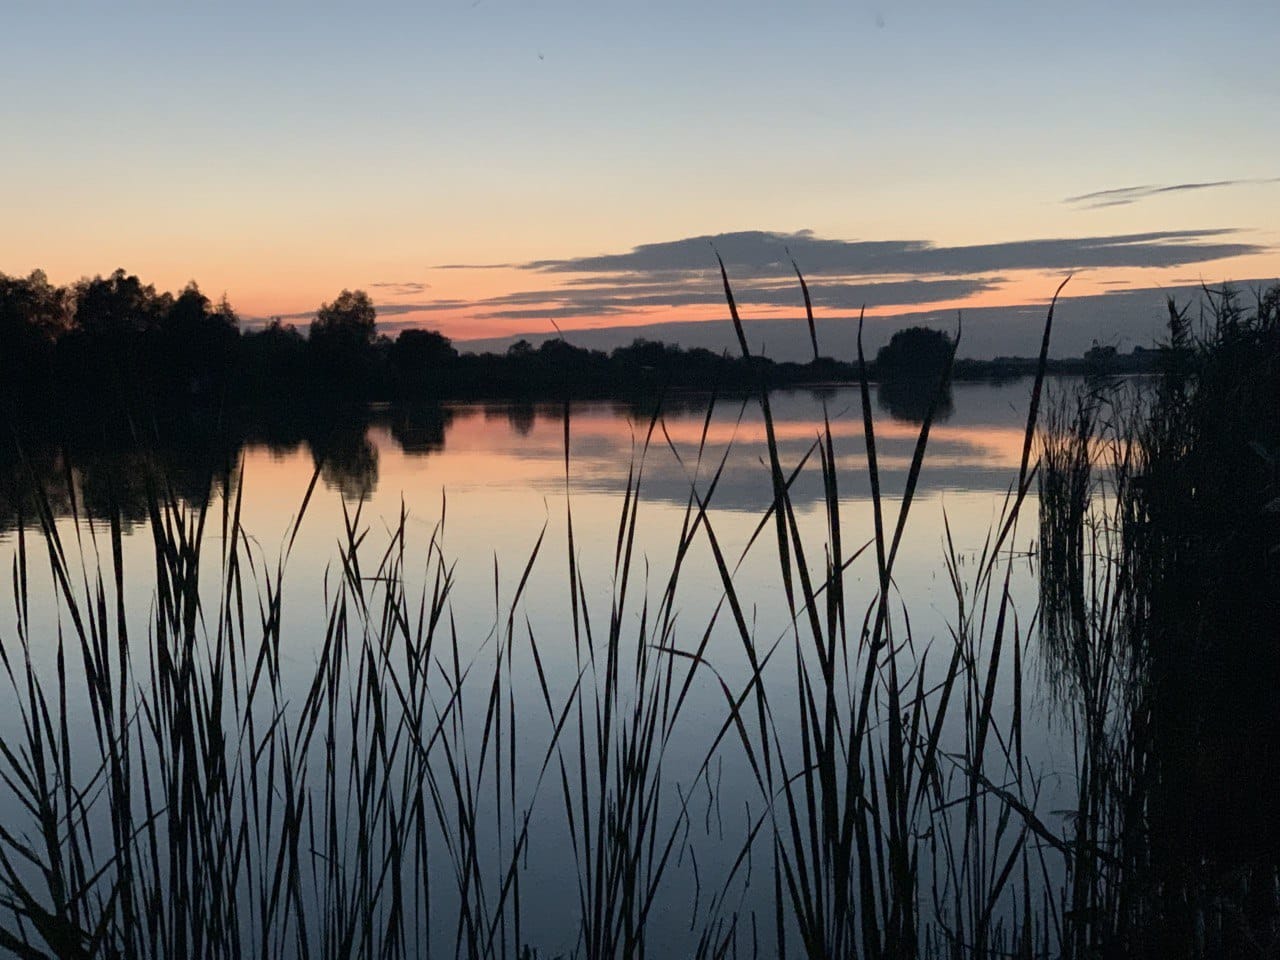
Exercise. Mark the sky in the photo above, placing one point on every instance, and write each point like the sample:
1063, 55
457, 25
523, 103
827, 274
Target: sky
492, 169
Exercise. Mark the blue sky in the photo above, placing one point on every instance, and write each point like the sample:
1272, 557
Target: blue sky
282, 154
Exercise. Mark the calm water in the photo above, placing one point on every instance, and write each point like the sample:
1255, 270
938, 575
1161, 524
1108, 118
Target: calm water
492, 478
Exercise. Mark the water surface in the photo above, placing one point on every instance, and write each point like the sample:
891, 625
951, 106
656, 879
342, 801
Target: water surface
492, 480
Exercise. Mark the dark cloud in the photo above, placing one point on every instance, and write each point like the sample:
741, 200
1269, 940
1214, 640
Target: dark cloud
1120, 196
473, 266
849, 296
760, 254
1108, 203
633, 279
608, 300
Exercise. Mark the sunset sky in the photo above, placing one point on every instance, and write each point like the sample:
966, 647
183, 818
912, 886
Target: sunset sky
485, 167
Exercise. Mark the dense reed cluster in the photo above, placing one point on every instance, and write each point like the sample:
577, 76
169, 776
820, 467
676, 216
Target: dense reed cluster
184, 792
1160, 548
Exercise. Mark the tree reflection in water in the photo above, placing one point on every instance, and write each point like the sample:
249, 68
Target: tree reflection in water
908, 399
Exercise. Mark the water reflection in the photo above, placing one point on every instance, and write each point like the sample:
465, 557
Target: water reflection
908, 399
348, 462
976, 438
521, 416
421, 429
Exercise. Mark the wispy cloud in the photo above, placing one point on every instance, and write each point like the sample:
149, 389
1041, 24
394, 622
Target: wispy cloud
390, 309
1122, 196
553, 311
401, 288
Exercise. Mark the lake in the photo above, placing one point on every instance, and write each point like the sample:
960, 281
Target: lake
485, 495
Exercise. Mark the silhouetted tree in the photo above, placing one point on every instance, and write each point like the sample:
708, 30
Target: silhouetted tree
521, 348
342, 337
915, 352
642, 353
197, 341
109, 352
348, 323
118, 308
419, 358
274, 360
33, 315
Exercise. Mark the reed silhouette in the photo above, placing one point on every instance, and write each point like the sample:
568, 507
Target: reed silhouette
1160, 544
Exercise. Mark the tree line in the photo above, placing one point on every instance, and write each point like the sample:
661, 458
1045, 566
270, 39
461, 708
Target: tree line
107, 341
117, 338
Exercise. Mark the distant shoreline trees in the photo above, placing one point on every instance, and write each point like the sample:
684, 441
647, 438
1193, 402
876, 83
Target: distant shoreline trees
114, 338
117, 338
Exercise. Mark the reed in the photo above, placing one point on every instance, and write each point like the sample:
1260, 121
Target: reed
1163, 639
